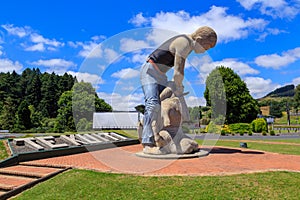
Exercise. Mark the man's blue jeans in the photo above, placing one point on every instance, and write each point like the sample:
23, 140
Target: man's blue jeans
153, 84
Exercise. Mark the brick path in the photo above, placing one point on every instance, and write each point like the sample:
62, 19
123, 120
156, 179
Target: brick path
220, 161
15, 179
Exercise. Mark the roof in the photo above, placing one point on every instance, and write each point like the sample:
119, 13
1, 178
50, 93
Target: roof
115, 120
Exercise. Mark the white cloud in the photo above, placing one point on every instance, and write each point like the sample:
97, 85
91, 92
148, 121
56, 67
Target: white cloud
206, 65
269, 31
139, 58
94, 79
57, 65
88, 49
138, 20
128, 101
296, 81
7, 65
193, 101
36, 47
126, 73
228, 27
36, 38
98, 38
56, 62
276, 61
93, 49
40, 43
17, 31
273, 8
128, 88
110, 55
129, 44
257, 86
239, 67
158, 35
35, 42
260, 87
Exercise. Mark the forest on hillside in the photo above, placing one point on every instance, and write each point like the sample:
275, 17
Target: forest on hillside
42, 102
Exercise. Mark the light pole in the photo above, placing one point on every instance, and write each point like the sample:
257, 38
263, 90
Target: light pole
288, 113
199, 117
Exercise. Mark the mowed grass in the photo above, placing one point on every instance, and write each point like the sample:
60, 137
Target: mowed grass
3, 152
278, 147
294, 140
83, 184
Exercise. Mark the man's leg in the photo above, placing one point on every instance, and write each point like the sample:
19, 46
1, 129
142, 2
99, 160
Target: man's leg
152, 107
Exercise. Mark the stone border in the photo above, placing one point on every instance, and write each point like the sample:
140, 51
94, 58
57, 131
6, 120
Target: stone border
29, 156
198, 154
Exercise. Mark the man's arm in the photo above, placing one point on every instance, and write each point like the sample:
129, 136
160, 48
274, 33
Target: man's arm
178, 73
181, 48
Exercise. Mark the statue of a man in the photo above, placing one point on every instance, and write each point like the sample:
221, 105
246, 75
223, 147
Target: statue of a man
172, 53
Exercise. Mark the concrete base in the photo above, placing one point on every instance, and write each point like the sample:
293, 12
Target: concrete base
197, 154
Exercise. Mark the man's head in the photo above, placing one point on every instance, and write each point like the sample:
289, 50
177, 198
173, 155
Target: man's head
204, 38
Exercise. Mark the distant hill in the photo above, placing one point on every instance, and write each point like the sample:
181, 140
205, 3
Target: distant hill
285, 91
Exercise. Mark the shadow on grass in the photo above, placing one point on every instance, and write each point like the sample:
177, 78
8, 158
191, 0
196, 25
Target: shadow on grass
220, 150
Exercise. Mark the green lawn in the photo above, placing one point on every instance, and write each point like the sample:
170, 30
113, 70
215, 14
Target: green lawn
3, 152
296, 141
83, 184
257, 145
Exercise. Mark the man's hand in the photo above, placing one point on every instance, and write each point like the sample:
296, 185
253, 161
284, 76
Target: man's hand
179, 91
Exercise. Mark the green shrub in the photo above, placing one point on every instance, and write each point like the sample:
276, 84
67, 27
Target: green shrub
225, 130
259, 125
272, 132
213, 128
264, 133
240, 128
84, 125
203, 130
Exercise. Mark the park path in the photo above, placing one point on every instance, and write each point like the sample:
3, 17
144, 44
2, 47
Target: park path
264, 142
220, 161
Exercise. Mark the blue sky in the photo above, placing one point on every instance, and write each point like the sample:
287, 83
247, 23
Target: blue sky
106, 42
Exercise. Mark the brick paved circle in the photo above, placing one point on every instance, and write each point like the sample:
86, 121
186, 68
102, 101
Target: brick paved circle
220, 161
197, 154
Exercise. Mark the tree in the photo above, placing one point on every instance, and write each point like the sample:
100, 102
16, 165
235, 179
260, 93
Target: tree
195, 113
77, 107
64, 119
33, 91
50, 96
66, 82
35, 117
83, 101
23, 120
226, 91
7, 117
277, 107
215, 96
101, 105
10, 87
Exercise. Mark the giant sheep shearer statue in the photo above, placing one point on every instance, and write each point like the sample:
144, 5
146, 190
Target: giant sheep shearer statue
168, 135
